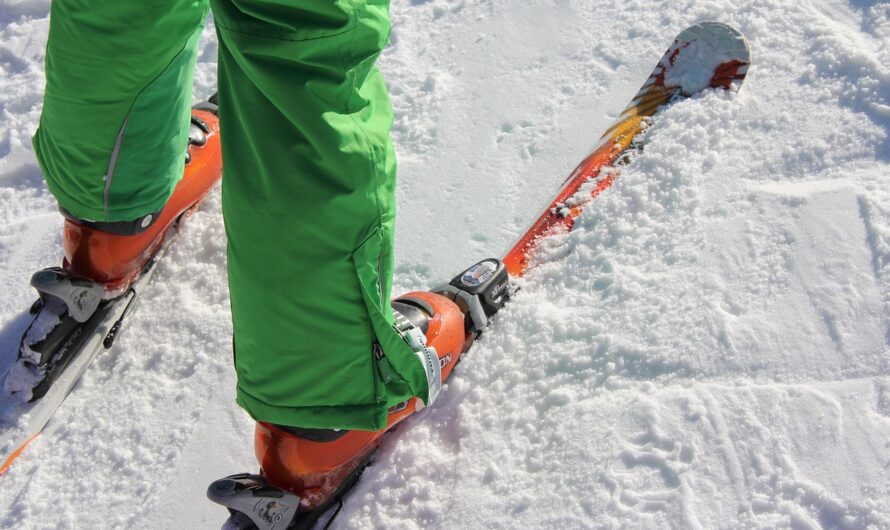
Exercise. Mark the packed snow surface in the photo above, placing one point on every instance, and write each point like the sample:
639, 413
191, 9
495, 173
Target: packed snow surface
708, 349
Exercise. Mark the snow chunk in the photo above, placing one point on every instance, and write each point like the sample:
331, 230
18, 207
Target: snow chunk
693, 67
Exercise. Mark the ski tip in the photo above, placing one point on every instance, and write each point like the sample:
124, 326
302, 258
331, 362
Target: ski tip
706, 54
718, 36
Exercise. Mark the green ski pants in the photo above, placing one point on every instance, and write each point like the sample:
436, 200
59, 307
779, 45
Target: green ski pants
308, 185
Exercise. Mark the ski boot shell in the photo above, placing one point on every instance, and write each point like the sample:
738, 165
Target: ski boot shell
313, 462
115, 259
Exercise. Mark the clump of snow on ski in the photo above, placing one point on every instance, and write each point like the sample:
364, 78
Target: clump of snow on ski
699, 52
22, 377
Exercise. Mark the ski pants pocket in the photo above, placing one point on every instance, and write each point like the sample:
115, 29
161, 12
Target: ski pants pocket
398, 370
330, 360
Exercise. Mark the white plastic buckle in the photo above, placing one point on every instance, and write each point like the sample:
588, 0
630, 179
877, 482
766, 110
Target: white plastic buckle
429, 358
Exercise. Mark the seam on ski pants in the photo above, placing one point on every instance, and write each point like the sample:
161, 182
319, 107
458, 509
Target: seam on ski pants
118, 147
112, 164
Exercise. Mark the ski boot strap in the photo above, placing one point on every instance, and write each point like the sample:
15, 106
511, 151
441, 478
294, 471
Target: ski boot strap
427, 355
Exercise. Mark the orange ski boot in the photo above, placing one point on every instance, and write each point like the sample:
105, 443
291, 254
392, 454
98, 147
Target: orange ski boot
113, 254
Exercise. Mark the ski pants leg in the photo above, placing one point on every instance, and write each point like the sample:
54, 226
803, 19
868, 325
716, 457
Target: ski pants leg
308, 185
116, 106
308, 200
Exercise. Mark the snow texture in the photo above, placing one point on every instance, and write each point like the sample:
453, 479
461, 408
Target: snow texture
710, 348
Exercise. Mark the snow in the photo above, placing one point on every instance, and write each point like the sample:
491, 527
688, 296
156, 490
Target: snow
24, 374
708, 349
691, 72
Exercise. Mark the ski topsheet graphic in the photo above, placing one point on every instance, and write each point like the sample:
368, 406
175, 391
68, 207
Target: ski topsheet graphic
706, 55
